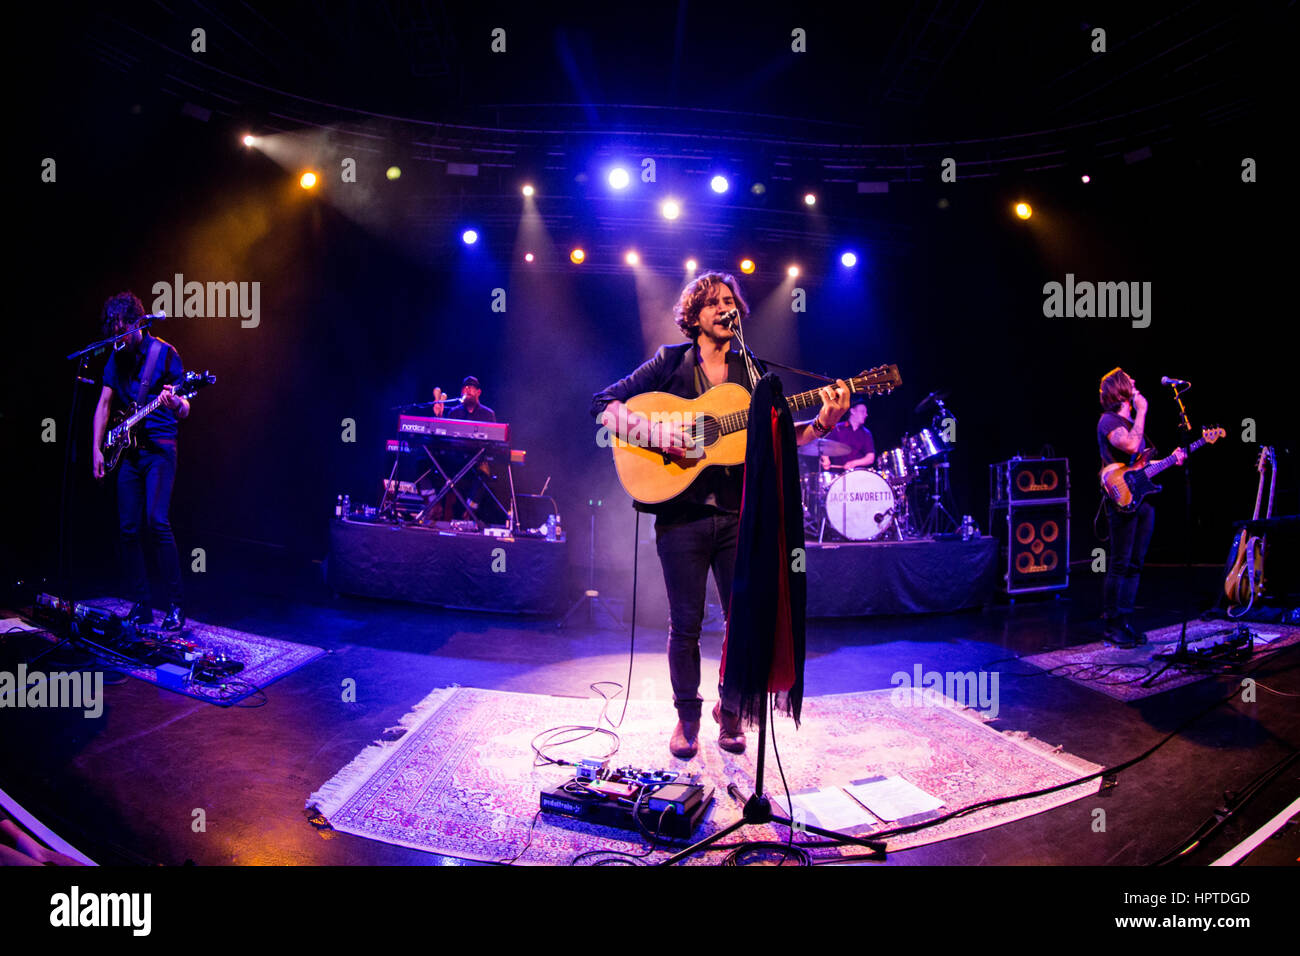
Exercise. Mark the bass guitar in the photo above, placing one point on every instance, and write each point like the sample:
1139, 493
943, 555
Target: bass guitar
716, 421
1127, 485
1244, 581
121, 433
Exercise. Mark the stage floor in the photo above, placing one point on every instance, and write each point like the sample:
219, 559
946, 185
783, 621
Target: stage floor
124, 788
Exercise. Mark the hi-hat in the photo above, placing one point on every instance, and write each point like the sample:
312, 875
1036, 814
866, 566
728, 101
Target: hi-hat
933, 396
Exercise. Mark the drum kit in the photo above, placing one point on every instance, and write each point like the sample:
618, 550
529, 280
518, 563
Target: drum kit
884, 502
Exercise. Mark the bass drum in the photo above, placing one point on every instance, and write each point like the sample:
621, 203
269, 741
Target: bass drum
860, 505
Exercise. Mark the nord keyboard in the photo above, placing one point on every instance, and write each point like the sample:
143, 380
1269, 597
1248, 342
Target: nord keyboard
493, 432
518, 456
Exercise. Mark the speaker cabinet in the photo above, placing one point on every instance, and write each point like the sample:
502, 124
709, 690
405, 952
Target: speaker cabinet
1029, 512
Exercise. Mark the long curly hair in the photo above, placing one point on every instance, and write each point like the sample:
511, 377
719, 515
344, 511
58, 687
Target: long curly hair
694, 295
124, 307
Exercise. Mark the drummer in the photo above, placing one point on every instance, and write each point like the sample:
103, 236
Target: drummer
853, 433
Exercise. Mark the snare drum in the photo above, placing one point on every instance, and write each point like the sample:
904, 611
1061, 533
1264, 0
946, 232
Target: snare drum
860, 505
893, 464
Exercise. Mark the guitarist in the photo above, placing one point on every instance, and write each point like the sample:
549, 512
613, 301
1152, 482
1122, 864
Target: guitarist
697, 530
142, 368
1121, 437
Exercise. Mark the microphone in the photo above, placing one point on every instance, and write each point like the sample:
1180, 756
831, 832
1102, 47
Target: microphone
1166, 380
728, 319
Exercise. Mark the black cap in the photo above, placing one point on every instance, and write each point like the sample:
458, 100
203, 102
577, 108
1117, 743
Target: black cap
470, 380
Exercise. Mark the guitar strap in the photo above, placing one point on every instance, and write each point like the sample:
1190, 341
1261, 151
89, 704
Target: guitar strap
150, 363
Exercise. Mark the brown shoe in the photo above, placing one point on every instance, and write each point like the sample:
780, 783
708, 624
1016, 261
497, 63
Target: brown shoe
685, 741
731, 735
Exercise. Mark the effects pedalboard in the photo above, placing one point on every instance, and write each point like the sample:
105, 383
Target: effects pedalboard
658, 802
175, 658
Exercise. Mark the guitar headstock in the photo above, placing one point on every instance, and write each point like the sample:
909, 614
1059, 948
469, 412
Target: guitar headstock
880, 380
1265, 456
1211, 435
193, 381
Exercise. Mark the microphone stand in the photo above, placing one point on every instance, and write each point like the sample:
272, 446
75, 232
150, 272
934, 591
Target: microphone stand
1181, 656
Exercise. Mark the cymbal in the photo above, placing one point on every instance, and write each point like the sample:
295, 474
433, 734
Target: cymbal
929, 398
821, 446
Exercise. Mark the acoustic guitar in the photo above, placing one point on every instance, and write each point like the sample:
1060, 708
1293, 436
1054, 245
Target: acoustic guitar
1127, 485
1244, 581
716, 421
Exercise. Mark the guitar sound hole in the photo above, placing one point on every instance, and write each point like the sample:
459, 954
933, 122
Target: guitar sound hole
707, 430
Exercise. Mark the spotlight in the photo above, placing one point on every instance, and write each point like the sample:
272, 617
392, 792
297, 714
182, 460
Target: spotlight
671, 209
719, 184
308, 180
809, 199
249, 139
618, 178
631, 258
469, 237
758, 189
747, 266
528, 257
393, 172
691, 265
528, 190
849, 260
792, 272
577, 256
1023, 210
1086, 178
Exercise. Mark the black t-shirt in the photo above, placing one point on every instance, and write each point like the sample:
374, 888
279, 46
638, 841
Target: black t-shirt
1108, 422
124, 375
858, 440
481, 413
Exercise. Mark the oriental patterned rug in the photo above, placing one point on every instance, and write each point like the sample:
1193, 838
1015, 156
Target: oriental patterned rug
1133, 673
459, 777
265, 659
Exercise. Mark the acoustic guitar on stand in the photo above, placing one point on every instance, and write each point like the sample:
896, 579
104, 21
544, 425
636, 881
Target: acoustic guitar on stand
717, 422
1127, 485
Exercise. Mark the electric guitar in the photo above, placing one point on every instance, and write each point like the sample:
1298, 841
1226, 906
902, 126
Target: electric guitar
1127, 485
716, 421
121, 433
1245, 578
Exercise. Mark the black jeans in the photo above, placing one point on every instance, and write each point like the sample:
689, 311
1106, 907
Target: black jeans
687, 550
1130, 534
144, 494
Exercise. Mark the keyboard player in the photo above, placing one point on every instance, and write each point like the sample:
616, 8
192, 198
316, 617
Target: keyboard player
470, 409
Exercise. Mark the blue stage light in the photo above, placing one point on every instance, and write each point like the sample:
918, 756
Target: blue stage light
618, 178
469, 236
849, 259
719, 184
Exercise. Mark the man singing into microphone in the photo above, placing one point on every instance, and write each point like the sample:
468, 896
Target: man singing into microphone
697, 530
1121, 437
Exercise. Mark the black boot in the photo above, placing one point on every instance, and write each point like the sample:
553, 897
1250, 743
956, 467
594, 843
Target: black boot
175, 619
1116, 634
1135, 636
140, 614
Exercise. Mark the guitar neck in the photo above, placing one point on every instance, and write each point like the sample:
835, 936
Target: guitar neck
1163, 463
736, 421
142, 413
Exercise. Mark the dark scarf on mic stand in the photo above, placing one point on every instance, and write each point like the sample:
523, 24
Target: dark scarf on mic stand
763, 651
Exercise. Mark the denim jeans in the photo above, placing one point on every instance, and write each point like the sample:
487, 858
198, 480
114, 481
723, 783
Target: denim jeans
144, 494
1130, 534
687, 550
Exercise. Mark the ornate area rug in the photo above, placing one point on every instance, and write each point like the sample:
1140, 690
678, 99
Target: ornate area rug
265, 659
460, 780
1121, 673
